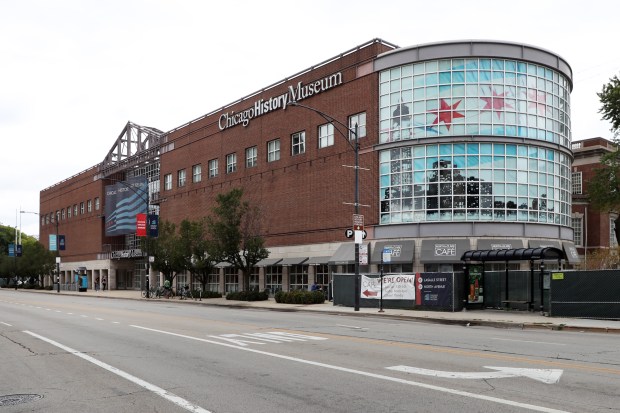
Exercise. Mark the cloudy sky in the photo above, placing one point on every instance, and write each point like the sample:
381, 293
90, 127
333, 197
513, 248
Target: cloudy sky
73, 72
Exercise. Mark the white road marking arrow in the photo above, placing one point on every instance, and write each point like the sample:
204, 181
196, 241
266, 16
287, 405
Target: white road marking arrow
548, 376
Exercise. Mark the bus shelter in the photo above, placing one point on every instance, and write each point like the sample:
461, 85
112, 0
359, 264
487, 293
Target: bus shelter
506, 255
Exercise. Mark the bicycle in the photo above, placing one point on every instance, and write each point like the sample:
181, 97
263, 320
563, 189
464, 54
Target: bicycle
154, 292
185, 293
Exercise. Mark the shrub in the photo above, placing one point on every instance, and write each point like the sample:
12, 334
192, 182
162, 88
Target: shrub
247, 296
300, 297
206, 294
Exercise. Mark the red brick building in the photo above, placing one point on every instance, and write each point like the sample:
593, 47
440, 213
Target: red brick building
593, 229
463, 145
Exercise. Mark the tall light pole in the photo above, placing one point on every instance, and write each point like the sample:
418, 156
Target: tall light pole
356, 148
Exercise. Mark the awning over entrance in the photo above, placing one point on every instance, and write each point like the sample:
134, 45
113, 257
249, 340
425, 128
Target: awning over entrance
344, 255
572, 256
445, 251
317, 261
402, 251
268, 262
519, 254
499, 244
293, 261
223, 264
534, 243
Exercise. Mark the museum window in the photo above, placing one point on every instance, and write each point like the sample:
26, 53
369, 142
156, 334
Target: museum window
196, 173
181, 178
326, 135
75, 210
97, 204
63, 214
231, 163
474, 182
576, 179
82, 208
254, 277
213, 280
273, 150
213, 168
359, 120
298, 143
69, 212
89, 206
321, 275
273, 278
167, 182
251, 157
231, 279
298, 274
577, 223
474, 96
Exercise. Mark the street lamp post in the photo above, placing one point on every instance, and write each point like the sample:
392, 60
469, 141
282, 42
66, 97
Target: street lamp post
356, 148
57, 255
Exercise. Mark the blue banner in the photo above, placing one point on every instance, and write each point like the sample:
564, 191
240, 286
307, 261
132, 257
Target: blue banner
123, 201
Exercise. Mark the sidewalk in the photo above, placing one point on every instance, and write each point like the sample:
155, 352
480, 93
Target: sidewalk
487, 317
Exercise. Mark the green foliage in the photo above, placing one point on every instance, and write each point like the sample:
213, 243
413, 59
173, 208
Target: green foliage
234, 232
610, 101
300, 297
168, 251
248, 296
35, 262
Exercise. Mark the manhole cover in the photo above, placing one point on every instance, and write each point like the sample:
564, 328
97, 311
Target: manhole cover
15, 399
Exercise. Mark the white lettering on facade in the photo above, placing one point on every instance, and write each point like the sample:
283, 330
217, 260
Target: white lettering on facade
445, 250
264, 106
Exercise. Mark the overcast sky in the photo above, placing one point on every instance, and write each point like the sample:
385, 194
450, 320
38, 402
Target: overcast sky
73, 72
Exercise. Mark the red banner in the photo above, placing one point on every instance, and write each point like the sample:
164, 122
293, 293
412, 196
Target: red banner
140, 225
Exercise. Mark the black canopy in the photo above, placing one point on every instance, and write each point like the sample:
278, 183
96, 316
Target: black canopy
517, 254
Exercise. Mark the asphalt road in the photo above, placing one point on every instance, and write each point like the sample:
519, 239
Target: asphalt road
82, 354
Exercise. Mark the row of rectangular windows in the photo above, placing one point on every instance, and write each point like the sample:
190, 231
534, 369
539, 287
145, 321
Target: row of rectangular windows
298, 147
65, 213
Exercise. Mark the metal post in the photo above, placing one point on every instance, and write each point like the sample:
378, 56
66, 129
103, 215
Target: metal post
542, 291
357, 209
381, 297
57, 256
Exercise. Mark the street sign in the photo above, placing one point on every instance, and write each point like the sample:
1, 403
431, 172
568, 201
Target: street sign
358, 222
387, 255
349, 233
363, 256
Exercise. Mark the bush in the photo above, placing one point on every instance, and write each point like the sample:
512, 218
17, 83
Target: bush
300, 297
247, 296
206, 294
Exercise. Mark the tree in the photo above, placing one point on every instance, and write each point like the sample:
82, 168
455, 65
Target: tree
234, 231
194, 244
610, 100
604, 187
167, 249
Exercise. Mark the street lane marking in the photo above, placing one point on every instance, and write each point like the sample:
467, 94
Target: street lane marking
179, 401
6, 324
547, 376
365, 373
269, 337
531, 342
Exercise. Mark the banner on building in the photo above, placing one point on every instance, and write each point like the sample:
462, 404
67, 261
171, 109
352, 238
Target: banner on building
395, 287
434, 290
123, 201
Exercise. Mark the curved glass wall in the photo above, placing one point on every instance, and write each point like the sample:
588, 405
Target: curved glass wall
474, 96
474, 182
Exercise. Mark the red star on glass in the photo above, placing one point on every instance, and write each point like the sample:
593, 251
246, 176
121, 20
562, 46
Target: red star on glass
446, 113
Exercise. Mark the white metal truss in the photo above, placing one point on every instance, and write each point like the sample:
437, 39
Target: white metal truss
135, 146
